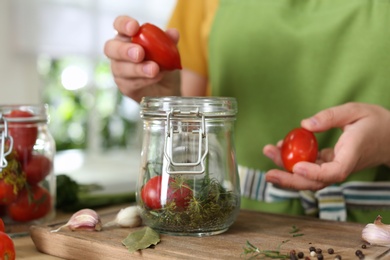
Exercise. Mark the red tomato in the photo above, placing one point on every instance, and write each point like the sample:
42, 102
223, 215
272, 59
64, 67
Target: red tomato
158, 46
23, 153
8, 193
7, 247
24, 134
2, 227
298, 145
37, 168
180, 193
32, 203
151, 193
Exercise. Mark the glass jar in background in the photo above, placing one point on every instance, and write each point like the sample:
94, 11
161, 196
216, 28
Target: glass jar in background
27, 179
188, 184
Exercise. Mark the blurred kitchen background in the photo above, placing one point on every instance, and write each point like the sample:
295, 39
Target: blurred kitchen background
51, 51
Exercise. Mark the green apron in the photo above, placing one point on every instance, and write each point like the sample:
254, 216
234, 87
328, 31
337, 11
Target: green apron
285, 60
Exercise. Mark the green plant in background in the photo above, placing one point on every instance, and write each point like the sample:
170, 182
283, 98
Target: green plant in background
96, 110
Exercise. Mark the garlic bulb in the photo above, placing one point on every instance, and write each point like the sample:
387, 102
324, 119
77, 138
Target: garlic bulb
127, 217
377, 233
85, 219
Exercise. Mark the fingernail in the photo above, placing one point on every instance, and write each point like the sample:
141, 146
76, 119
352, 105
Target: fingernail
133, 53
148, 69
299, 170
128, 27
312, 121
269, 154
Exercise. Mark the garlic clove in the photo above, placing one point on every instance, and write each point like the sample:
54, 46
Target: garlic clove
84, 219
127, 217
377, 233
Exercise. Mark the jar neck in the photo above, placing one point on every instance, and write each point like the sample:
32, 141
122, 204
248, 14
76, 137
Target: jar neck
209, 107
17, 116
25, 113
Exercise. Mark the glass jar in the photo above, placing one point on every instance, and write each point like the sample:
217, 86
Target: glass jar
27, 179
188, 183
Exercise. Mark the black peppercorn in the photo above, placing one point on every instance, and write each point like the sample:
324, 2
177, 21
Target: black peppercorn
312, 248
320, 257
330, 251
318, 250
364, 246
358, 252
301, 254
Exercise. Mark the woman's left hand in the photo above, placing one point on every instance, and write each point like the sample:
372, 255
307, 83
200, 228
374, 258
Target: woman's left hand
364, 143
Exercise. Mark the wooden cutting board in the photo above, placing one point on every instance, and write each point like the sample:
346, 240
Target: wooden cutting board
266, 231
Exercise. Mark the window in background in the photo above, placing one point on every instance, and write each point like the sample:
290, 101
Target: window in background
86, 109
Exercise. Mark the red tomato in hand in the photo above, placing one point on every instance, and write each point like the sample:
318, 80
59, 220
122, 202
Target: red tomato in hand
37, 168
32, 203
158, 46
177, 192
23, 134
298, 145
7, 247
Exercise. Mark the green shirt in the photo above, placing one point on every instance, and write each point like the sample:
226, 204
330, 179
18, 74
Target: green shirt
285, 60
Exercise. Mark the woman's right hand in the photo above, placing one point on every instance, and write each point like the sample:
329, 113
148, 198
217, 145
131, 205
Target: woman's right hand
134, 76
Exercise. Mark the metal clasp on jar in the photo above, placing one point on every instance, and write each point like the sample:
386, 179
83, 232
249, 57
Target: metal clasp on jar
198, 166
3, 138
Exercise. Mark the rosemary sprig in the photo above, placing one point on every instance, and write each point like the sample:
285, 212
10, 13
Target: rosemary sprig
294, 231
253, 252
298, 235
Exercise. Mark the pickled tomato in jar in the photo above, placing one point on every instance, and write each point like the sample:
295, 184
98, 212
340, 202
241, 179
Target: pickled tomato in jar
27, 149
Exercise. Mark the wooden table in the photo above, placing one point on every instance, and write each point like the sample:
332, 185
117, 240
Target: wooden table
25, 247
266, 231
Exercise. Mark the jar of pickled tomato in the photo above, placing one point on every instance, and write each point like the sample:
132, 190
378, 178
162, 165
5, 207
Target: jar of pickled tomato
188, 183
27, 179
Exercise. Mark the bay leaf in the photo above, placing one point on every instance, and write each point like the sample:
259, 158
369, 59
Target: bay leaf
141, 239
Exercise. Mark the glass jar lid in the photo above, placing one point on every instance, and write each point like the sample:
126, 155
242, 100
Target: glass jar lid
208, 106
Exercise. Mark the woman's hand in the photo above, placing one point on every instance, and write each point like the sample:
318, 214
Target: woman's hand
364, 143
134, 76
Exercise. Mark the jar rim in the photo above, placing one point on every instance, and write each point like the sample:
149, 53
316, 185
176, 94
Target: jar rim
39, 112
208, 106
